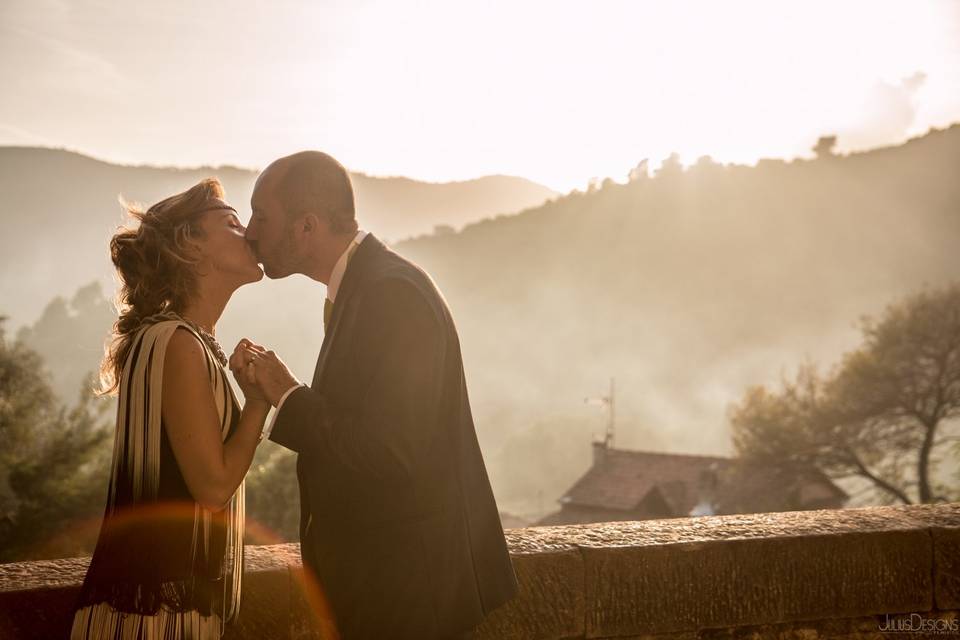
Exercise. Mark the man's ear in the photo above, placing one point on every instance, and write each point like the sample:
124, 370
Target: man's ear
299, 226
312, 223
309, 223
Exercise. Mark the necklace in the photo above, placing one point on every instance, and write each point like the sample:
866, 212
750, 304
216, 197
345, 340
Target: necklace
210, 340
207, 338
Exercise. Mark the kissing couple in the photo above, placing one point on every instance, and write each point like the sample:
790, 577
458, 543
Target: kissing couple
399, 528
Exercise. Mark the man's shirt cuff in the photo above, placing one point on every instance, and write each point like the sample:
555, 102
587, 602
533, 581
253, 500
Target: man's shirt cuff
269, 427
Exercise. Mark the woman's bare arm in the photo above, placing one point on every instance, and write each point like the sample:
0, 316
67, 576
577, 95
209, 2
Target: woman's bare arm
212, 469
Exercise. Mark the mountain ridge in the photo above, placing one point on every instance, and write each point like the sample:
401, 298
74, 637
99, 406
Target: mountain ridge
72, 198
686, 287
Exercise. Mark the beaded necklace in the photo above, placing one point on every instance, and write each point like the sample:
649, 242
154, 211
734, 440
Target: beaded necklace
208, 338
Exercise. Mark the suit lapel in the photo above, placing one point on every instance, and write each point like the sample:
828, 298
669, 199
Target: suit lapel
352, 280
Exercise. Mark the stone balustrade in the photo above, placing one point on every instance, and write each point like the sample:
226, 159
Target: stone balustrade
845, 573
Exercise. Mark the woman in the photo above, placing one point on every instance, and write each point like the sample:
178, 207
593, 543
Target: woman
169, 557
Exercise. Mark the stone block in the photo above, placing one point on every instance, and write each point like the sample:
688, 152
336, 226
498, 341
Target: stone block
943, 521
550, 603
730, 581
946, 567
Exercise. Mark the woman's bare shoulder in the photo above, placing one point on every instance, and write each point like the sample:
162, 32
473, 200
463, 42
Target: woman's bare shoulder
185, 354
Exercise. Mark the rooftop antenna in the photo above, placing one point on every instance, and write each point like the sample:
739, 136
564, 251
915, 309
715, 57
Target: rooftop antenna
607, 401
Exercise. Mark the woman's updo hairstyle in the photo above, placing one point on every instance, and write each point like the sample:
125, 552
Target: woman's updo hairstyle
153, 260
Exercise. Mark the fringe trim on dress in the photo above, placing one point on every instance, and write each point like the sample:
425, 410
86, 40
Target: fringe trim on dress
103, 622
136, 463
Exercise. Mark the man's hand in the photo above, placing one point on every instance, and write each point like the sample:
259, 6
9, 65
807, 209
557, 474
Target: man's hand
241, 365
272, 376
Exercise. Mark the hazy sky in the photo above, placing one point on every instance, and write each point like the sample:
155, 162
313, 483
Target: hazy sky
554, 91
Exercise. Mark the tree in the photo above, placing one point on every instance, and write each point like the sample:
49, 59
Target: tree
824, 146
26, 402
883, 414
54, 464
272, 496
639, 172
72, 334
55, 460
705, 162
671, 166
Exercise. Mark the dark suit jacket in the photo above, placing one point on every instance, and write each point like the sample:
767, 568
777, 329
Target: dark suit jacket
397, 518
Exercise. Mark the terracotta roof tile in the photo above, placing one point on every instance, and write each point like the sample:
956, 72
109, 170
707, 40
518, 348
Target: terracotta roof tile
622, 478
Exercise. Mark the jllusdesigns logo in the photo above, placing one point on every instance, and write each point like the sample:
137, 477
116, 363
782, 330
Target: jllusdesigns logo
917, 623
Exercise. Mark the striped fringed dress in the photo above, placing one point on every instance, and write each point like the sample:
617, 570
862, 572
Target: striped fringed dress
164, 567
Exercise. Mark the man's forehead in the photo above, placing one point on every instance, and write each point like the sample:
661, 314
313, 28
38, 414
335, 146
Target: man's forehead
264, 189
264, 200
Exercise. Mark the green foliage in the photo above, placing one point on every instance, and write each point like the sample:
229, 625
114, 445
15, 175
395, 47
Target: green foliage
687, 287
54, 465
273, 496
26, 401
884, 414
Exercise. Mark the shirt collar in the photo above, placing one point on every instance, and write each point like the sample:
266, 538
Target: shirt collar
336, 277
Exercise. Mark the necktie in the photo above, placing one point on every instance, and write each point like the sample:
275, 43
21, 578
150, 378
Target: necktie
327, 312
328, 303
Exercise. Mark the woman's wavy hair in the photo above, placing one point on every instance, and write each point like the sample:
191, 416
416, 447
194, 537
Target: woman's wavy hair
155, 266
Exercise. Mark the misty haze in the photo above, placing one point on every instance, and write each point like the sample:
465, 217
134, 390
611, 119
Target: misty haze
685, 285
479, 321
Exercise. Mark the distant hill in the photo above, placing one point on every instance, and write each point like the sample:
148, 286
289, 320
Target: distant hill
58, 209
686, 287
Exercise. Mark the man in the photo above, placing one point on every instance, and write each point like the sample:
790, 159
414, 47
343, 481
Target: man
397, 519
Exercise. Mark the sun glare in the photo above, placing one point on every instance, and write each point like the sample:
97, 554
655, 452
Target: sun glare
558, 92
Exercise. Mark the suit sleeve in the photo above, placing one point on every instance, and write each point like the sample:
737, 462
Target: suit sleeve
398, 350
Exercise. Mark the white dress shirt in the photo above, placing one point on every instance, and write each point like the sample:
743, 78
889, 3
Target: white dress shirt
336, 277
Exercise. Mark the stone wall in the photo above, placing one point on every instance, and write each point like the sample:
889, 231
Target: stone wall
846, 573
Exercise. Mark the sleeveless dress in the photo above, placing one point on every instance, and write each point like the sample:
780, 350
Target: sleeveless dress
163, 567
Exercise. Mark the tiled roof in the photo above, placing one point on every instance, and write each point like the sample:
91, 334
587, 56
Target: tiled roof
757, 488
621, 479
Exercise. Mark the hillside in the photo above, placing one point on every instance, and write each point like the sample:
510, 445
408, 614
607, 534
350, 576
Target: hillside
686, 287
58, 209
